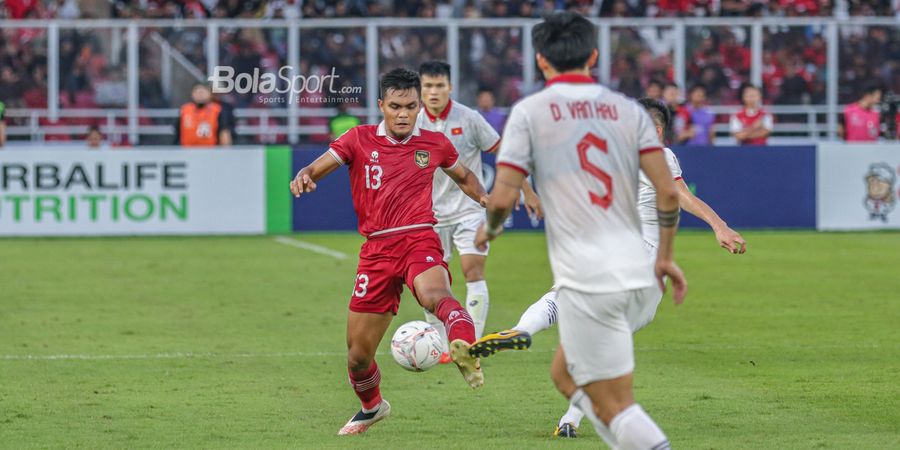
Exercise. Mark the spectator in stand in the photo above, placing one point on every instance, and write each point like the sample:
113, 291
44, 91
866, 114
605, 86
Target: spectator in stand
862, 119
488, 110
681, 118
655, 89
204, 122
94, 138
752, 125
700, 131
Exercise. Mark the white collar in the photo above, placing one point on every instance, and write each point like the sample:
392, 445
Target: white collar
382, 131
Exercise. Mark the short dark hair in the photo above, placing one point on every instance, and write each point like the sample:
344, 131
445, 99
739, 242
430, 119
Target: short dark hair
744, 87
658, 111
565, 39
435, 68
657, 82
872, 87
698, 86
399, 79
93, 128
669, 84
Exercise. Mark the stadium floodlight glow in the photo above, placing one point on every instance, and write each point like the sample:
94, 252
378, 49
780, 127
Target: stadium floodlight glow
284, 81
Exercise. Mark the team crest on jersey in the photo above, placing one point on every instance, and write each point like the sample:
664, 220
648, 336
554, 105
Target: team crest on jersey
374, 156
422, 158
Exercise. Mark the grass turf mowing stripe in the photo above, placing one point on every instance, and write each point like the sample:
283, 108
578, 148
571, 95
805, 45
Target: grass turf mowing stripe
311, 247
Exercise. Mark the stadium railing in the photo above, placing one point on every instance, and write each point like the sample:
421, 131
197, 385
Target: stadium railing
185, 54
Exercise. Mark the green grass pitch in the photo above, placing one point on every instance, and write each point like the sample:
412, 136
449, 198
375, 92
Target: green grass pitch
238, 342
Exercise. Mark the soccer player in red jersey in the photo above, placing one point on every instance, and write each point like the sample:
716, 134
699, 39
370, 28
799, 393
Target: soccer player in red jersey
392, 169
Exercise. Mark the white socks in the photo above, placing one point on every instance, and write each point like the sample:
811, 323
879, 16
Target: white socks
583, 402
477, 304
438, 325
539, 316
573, 415
635, 430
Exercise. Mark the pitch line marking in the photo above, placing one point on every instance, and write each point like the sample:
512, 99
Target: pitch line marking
311, 247
208, 355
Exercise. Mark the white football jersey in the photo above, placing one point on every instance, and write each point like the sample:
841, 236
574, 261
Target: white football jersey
583, 142
471, 135
647, 200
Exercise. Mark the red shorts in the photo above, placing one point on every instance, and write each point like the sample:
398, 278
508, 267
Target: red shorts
386, 262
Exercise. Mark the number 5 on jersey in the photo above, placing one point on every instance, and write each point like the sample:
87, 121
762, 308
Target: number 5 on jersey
373, 176
586, 143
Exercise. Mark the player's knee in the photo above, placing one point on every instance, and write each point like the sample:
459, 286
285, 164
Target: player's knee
473, 274
563, 382
608, 408
429, 298
359, 360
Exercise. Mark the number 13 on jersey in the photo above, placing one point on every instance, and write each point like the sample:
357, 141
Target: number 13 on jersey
373, 176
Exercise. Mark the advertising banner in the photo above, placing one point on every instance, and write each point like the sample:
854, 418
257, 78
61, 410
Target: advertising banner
752, 187
858, 186
158, 191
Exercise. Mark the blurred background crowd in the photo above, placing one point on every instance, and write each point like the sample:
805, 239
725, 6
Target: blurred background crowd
92, 73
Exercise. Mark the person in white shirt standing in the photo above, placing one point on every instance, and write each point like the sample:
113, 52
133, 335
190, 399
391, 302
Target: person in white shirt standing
458, 215
585, 145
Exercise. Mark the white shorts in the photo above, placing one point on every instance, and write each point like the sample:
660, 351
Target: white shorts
595, 330
462, 236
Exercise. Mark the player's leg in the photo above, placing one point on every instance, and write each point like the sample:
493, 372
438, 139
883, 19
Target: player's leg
599, 354
569, 423
445, 233
432, 289
473, 261
538, 317
373, 303
364, 333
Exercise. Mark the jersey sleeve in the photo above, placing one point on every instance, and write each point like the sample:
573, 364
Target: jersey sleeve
486, 137
768, 121
648, 140
735, 124
515, 147
451, 155
674, 166
341, 149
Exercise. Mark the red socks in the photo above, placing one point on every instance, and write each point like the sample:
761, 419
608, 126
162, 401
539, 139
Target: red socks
366, 384
456, 320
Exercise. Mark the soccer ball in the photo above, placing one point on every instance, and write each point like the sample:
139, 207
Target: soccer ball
417, 346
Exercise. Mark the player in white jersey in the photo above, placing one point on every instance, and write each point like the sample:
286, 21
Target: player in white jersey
585, 145
458, 215
543, 313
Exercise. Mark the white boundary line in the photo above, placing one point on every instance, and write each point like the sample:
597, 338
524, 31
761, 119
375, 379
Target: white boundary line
207, 355
311, 247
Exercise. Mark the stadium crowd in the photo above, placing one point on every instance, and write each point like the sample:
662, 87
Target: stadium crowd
91, 76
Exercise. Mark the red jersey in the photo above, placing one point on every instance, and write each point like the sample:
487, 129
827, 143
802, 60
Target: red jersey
860, 124
746, 118
391, 181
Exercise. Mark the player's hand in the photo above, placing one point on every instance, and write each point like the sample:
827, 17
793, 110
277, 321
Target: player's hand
668, 268
302, 183
482, 238
532, 205
731, 240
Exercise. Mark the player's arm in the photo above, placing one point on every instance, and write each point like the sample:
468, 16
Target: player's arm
728, 239
531, 200
467, 182
306, 178
654, 165
503, 198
